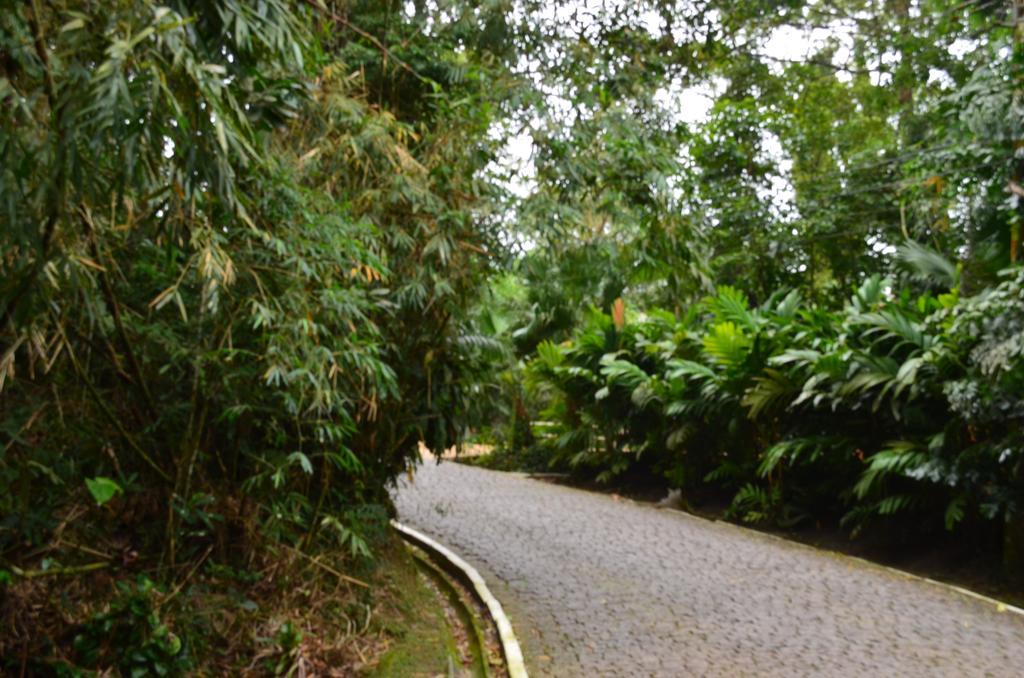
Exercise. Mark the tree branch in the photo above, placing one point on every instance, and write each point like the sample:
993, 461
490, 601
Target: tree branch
54, 571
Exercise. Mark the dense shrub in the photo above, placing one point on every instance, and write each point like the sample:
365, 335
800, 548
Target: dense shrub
898, 402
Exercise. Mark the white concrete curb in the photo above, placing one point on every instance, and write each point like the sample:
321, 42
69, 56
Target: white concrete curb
509, 644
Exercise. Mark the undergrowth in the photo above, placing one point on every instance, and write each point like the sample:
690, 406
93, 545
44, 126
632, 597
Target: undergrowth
283, 613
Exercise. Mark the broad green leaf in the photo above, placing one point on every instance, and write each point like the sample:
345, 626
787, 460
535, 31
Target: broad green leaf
102, 489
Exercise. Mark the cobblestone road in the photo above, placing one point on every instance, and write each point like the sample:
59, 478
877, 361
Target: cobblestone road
600, 587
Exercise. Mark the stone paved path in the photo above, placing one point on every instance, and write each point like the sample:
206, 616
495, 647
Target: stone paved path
603, 587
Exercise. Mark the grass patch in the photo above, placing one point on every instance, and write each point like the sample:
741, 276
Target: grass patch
421, 640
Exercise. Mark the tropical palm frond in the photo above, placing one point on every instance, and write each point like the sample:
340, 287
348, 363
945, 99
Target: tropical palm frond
768, 390
929, 264
807, 449
727, 344
485, 344
896, 458
870, 293
731, 305
622, 372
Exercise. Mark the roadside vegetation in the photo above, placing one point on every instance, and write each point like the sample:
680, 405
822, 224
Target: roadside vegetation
238, 245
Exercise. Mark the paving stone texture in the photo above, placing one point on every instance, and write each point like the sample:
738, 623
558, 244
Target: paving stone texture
597, 586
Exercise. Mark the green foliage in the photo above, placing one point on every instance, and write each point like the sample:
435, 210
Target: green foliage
240, 251
102, 489
130, 636
287, 642
884, 407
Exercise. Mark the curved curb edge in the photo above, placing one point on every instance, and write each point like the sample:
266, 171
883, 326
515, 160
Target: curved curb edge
509, 644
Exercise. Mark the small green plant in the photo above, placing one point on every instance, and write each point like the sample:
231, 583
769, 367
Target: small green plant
131, 637
287, 646
102, 489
